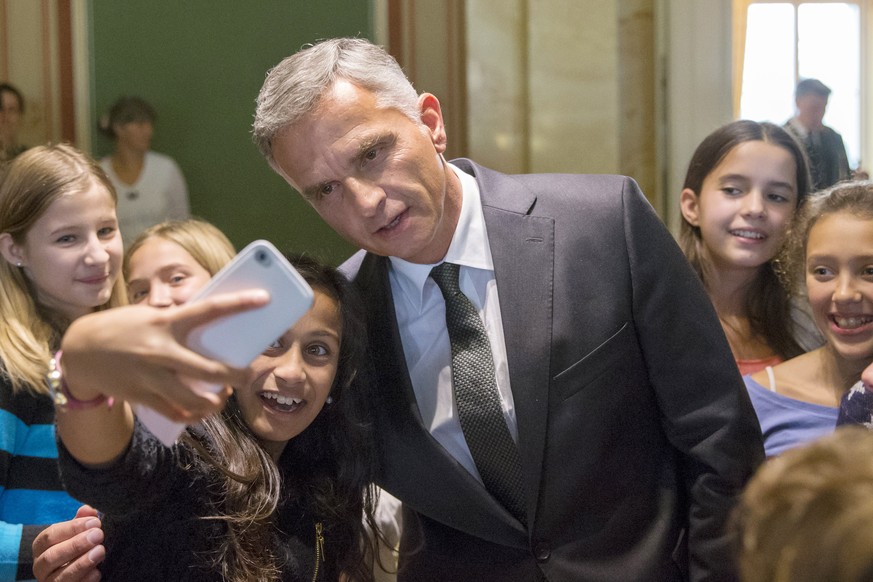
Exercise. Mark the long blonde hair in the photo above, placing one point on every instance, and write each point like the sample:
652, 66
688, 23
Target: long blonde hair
29, 184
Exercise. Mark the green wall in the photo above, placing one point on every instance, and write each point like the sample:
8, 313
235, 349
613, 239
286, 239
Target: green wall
200, 63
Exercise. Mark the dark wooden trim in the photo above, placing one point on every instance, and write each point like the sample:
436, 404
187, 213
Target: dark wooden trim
47, 78
4, 42
65, 70
395, 29
456, 53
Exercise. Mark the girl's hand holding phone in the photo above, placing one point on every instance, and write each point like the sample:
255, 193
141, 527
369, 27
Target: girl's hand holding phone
138, 354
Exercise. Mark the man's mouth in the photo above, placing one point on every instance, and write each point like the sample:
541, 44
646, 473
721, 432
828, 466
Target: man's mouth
393, 224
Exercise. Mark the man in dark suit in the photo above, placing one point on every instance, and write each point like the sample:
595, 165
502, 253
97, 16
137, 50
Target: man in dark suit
633, 430
623, 428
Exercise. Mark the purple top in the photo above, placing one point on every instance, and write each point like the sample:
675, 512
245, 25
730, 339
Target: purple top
786, 422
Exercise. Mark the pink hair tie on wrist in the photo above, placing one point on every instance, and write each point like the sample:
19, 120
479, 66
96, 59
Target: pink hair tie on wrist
60, 392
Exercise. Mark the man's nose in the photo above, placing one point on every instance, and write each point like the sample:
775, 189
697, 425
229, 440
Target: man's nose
365, 194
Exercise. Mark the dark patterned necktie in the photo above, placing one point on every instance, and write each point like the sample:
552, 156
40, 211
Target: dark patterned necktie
476, 396
856, 406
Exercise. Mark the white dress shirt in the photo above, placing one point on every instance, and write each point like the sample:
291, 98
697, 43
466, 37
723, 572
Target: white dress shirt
421, 316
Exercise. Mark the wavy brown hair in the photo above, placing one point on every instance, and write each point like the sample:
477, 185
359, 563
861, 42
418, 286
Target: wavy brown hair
855, 198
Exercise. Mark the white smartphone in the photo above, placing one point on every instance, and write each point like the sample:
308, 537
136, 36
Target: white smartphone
239, 338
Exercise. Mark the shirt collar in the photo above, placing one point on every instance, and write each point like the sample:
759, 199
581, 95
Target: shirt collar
469, 246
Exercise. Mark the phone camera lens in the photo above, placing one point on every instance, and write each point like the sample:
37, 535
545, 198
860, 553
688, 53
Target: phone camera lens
262, 257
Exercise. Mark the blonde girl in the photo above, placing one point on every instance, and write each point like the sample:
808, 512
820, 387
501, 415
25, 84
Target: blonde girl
61, 259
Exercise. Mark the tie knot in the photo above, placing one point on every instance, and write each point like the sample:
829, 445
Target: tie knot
446, 277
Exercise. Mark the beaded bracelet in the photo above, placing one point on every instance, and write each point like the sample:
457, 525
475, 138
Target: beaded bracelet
60, 392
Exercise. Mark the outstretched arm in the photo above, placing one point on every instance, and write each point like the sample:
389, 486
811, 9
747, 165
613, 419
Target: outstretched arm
137, 354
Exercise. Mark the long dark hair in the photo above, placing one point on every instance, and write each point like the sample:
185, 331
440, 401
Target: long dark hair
767, 301
327, 469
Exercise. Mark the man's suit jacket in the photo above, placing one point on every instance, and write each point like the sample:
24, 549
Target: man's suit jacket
634, 426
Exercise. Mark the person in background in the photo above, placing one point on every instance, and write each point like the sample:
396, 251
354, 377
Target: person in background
150, 185
824, 147
11, 110
61, 259
806, 515
744, 183
830, 256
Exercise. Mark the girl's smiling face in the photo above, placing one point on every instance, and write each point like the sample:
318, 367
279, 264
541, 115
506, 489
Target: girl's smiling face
161, 274
839, 281
293, 378
72, 253
745, 205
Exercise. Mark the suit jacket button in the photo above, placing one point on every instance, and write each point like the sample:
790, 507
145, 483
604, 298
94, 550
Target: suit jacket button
542, 551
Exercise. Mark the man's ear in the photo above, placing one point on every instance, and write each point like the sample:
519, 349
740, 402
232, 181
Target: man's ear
432, 117
10, 251
689, 204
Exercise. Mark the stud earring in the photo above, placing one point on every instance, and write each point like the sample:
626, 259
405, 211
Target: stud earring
329, 400
18, 264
